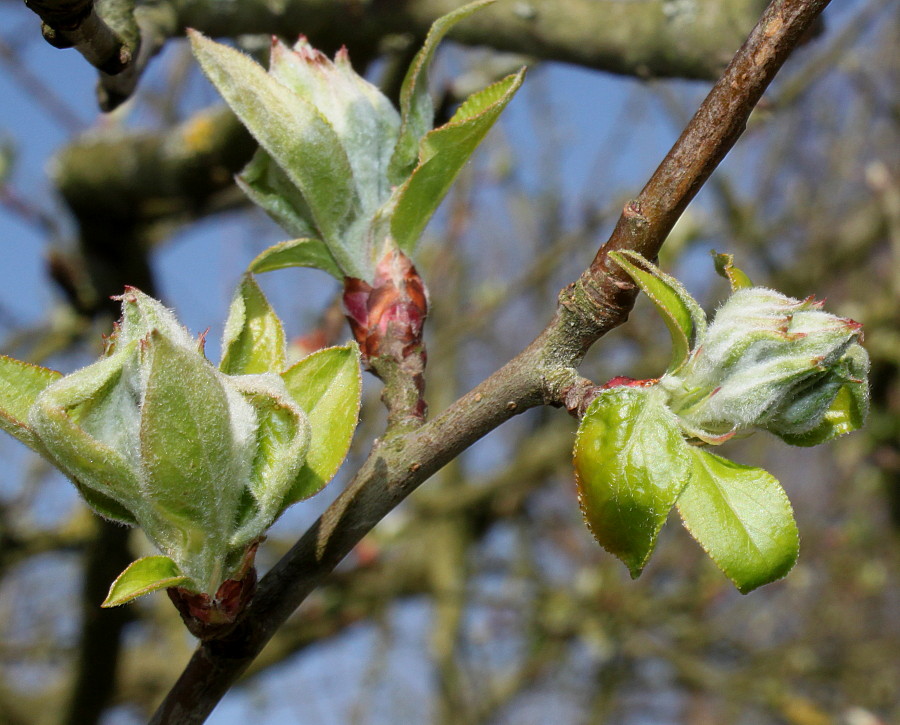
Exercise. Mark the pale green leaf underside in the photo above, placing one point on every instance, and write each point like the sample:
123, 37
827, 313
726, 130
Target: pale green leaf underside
20, 385
631, 463
268, 186
683, 316
442, 154
296, 253
254, 337
327, 386
742, 517
143, 576
297, 137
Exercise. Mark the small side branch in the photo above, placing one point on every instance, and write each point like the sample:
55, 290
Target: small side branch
75, 23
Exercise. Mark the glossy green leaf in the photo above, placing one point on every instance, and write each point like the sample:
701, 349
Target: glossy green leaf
268, 186
327, 385
20, 385
416, 105
253, 341
80, 419
683, 316
631, 463
442, 154
742, 517
725, 267
296, 253
296, 135
143, 576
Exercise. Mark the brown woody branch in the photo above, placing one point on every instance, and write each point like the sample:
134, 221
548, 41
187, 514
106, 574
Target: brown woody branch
600, 300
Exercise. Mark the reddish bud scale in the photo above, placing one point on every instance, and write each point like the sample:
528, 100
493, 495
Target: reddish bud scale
387, 318
213, 617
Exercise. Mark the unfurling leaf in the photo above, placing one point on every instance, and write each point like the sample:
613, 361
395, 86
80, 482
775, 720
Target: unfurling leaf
296, 253
725, 267
681, 313
416, 105
20, 385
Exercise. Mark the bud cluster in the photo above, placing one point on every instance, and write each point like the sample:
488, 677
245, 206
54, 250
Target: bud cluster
153, 434
767, 361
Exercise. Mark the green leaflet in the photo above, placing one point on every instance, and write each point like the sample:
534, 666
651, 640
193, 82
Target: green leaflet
683, 316
20, 385
725, 268
296, 253
742, 517
631, 463
442, 154
294, 133
416, 105
327, 385
253, 340
143, 576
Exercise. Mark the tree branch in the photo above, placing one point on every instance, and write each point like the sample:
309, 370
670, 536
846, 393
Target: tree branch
651, 38
599, 301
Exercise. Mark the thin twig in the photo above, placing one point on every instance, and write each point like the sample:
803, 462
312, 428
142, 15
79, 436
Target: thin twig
599, 301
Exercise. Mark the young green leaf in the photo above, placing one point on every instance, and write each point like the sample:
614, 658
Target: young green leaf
742, 517
725, 268
20, 385
631, 463
683, 316
442, 154
296, 253
253, 341
416, 105
363, 118
292, 131
143, 576
327, 386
